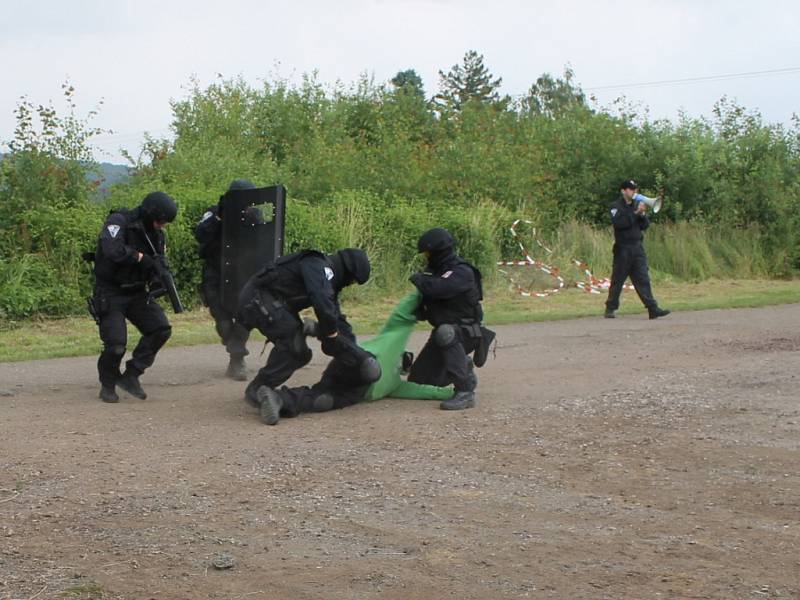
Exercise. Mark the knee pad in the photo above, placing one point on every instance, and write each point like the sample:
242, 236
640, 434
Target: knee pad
445, 335
224, 329
370, 370
160, 336
322, 403
115, 350
299, 347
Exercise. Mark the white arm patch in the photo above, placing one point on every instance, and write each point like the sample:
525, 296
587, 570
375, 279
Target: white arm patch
446, 274
614, 212
328, 273
207, 215
113, 230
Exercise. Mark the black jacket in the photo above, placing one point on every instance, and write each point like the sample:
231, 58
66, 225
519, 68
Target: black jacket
121, 240
628, 226
304, 279
451, 291
208, 233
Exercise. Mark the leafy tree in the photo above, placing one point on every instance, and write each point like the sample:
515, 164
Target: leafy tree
470, 81
408, 82
552, 97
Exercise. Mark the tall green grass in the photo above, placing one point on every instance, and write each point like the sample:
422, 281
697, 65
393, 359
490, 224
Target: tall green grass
684, 252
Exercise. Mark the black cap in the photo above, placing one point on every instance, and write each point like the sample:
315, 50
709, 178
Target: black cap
241, 184
629, 184
435, 240
158, 206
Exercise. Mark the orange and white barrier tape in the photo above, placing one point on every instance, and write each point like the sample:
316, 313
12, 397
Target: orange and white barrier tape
591, 285
529, 261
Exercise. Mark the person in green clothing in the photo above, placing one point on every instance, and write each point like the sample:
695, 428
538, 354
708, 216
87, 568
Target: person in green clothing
343, 385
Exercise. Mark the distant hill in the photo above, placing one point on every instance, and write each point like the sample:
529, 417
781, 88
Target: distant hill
108, 174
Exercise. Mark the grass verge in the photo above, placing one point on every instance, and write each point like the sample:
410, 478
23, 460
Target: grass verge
77, 336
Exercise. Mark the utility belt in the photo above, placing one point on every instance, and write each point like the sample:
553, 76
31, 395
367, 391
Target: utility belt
268, 305
471, 328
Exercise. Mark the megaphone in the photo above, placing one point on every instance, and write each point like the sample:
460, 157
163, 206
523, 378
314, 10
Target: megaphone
654, 203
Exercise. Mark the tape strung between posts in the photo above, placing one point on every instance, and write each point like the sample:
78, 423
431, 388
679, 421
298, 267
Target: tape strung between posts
529, 261
592, 285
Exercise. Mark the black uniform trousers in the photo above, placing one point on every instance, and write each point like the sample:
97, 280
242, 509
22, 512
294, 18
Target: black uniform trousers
281, 326
114, 307
442, 365
232, 333
340, 380
630, 261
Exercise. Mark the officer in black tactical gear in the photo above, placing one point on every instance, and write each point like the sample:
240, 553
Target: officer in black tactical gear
344, 382
271, 301
208, 233
630, 220
451, 301
129, 245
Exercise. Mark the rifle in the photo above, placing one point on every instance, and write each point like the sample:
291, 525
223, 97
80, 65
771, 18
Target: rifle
165, 279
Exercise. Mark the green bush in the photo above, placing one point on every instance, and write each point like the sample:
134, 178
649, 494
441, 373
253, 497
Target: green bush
374, 166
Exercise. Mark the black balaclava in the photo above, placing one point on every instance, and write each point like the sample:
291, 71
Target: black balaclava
350, 265
439, 244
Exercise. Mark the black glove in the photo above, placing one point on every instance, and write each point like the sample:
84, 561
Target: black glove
416, 279
162, 262
331, 345
147, 263
219, 207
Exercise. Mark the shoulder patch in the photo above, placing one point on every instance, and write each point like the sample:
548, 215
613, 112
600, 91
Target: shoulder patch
328, 273
446, 274
113, 230
614, 212
207, 215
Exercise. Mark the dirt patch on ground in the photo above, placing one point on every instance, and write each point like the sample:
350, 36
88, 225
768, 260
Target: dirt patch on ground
623, 459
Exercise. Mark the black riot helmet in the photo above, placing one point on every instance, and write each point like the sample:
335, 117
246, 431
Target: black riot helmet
435, 240
351, 264
159, 207
241, 184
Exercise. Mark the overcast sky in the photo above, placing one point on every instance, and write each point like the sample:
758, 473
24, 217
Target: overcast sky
136, 56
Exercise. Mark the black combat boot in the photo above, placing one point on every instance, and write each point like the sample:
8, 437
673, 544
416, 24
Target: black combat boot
108, 394
609, 314
237, 370
130, 383
482, 351
464, 396
460, 401
657, 312
251, 395
310, 327
271, 404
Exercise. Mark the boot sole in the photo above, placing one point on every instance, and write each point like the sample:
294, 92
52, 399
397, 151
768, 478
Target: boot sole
236, 376
270, 405
141, 396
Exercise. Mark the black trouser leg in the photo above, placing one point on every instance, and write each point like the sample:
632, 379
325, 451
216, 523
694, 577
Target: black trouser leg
287, 355
114, 335
442, 365
337, 380
640, 276
150, 320
619, 273
233, 334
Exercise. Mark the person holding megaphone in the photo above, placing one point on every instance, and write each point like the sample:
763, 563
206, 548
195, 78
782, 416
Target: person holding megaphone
629, 217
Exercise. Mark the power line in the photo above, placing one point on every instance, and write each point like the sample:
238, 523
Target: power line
690, 80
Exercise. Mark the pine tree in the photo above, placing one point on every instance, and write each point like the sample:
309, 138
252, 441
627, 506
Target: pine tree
470, 81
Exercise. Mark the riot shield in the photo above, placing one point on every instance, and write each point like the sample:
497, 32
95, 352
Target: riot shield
252, 235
